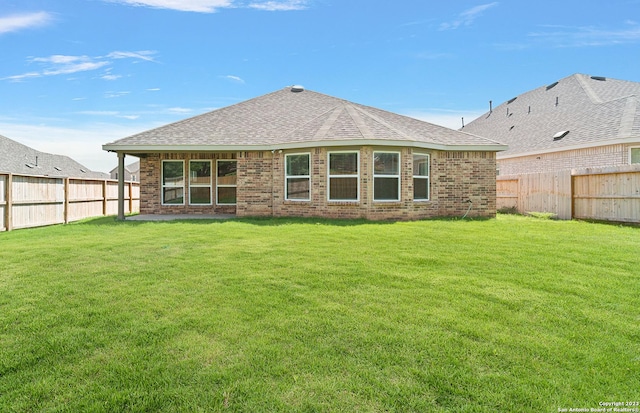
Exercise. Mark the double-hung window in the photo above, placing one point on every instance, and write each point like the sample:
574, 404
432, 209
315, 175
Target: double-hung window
200, 182
297, 177
386, 176
344, 176
420, 177
173, 182
226, 181
634, 155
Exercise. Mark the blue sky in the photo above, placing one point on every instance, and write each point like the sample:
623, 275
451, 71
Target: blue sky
75, 74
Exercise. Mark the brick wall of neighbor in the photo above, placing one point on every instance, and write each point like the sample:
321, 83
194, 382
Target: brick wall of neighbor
456, 178
601, 156
151, 185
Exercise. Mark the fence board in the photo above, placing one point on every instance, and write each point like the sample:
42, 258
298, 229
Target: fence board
31, 201
610, 194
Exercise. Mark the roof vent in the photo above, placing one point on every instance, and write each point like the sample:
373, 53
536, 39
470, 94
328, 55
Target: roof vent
297, 88
512, 100
560, 135
57, 168
600, 78
551, 86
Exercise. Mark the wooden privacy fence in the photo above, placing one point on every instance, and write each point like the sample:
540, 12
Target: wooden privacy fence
607, 194
34, 201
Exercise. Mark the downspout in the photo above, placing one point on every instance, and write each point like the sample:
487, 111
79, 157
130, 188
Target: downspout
121, 156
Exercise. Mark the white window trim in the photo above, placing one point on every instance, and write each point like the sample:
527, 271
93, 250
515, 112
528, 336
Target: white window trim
427, 177
373, 170
201, 185
329, 176
630, 149
163, 186
226, 186
286, 177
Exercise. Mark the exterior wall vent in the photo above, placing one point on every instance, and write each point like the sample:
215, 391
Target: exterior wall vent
560, 135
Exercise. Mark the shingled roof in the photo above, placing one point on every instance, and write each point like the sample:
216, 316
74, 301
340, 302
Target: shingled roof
578, 111
17, 158
297, 118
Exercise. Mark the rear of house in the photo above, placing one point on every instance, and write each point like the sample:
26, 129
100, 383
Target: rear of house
295, 152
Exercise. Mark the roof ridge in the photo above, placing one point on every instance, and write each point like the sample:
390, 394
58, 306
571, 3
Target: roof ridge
628, 117
593, 96
361, 108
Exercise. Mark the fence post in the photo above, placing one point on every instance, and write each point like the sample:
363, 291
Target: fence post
104, 198
121, 186
66, 200
8, 203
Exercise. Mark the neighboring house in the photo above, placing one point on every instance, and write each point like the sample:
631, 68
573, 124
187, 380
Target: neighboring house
131, 172
17, 158
578, 122
295, 152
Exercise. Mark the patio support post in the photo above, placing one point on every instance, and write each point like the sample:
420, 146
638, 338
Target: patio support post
121, 186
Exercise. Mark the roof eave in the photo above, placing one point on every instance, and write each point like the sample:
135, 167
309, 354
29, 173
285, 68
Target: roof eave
133, 149
570, 148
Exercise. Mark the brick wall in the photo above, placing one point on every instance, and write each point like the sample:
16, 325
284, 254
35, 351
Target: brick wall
601, 156
456, 178
151, 185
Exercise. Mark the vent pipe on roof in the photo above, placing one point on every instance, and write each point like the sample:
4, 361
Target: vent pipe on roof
463, 122
490, 106
557, 100
529, 109
36, 161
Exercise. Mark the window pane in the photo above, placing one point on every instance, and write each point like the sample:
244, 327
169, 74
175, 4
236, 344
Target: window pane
200, 172
635, 155
173, 195
343, 189
227, 195
172, 173
343, 163
297, 164
200, 195
420, 165
298, 188
386, 163
385, 189
227, 172
420, 188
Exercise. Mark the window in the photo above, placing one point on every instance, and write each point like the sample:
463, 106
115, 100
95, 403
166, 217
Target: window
172, 182
344, 178
386, 176
200, 182
226, 181
634, 155
420, 177
297, 178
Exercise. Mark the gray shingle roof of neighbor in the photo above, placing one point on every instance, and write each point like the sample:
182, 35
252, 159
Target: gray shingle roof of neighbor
289, 118
17, 158
592, 110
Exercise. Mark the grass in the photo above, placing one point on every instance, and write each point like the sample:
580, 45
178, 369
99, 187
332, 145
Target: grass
505, 315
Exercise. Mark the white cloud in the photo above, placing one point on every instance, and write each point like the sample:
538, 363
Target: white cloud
154, 89
201, 6
179, 110
64, 65
467, 17
287, 5
232, 78
111, 95
584, 36
24, 21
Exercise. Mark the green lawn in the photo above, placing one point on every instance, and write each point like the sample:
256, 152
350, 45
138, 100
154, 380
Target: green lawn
513, 314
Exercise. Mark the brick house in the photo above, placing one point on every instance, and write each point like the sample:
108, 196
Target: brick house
578, 122
296, 152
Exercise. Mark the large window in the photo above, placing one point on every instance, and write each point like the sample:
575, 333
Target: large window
634, 155
386, 176
173, 182
344, 177
200, 182
226, 181
297, 178
420, 177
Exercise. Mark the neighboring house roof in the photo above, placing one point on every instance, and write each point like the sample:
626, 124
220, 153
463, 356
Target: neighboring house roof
297, 118
17, 158
576, 112
131, 169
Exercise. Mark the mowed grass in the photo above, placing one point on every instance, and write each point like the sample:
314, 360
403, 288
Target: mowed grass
513, 314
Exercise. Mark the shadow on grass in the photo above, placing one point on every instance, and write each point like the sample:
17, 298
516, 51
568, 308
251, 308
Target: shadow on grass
267, 221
